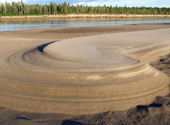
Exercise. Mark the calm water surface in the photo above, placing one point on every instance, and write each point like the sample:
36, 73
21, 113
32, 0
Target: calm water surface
8, 25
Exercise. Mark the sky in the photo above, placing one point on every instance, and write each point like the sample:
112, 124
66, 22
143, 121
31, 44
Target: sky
128, 3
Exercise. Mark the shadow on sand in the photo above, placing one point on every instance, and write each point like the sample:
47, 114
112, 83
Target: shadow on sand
41, 47
69, 122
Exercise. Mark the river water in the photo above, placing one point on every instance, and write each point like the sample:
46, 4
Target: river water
10, 25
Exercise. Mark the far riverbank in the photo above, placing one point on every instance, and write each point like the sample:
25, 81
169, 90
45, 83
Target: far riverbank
85, 16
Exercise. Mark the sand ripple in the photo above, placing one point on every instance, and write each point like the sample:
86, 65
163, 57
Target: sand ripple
82, 75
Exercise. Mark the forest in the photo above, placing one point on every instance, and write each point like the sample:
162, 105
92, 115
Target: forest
20, 8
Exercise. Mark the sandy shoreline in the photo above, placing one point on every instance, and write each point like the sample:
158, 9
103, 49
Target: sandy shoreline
85, 16
62, 33
26, 71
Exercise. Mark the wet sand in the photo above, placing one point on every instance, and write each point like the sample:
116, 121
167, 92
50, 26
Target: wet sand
69, 75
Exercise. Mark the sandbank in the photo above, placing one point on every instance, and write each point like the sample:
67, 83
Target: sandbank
82, 70
86, 16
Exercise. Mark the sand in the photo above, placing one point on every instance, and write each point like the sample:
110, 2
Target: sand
83, 74
86, 16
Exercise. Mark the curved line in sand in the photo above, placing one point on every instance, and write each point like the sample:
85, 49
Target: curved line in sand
92, 100
82, 75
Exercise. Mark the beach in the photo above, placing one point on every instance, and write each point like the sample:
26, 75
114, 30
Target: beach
86, 16
85, 75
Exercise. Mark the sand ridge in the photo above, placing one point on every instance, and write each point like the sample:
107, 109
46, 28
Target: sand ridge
83, 75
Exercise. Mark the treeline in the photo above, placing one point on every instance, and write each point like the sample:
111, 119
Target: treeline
52, 8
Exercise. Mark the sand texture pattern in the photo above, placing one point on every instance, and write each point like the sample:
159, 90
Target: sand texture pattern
82, 75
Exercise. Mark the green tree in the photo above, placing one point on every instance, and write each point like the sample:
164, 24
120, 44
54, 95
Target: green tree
65, 8
49, 8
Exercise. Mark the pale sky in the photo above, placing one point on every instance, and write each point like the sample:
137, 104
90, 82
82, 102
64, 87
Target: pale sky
128, 3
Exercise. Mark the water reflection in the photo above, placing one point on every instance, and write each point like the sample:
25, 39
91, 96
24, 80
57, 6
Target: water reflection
9, 25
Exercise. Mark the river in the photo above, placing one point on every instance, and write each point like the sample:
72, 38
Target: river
11, 25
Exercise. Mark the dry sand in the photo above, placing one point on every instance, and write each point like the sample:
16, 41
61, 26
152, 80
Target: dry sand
84, 75
86, 16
